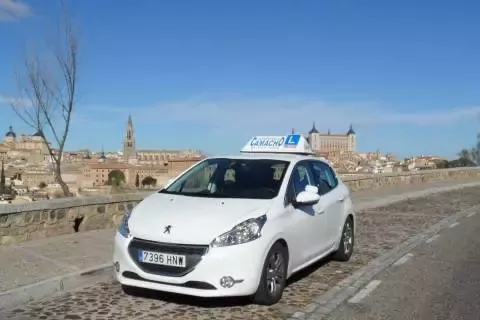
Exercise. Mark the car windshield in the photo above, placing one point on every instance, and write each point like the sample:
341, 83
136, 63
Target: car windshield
232, 178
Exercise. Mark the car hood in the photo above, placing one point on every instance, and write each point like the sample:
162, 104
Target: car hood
193, 220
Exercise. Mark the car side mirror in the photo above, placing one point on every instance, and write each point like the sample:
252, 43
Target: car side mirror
308, 197
312, 189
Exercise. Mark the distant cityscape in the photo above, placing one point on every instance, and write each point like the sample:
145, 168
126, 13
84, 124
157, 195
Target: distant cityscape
28, 168
341, 150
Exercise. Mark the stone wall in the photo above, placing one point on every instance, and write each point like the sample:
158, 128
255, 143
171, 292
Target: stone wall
42, 219
36, 220
423, 176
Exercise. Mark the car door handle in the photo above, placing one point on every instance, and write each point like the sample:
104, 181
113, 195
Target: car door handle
320, 212
342, 199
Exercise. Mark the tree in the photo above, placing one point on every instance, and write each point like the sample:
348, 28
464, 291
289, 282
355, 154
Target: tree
137, 181
469, 157
478, 148
475, 155
464, 154
2, 179
115, 178
149, 181
42, 185
441, 164
461, 162
51, 90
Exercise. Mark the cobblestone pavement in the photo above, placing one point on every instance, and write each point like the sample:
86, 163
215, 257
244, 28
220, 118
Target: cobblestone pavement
379, 230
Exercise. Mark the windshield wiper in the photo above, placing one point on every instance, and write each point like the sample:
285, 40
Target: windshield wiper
204, 194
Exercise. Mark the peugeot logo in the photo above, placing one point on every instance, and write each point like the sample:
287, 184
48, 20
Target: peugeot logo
167, 229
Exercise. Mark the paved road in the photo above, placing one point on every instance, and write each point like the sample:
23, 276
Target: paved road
379, 230
440, 280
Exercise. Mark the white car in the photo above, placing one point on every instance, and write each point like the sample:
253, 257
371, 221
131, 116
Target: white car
238, 225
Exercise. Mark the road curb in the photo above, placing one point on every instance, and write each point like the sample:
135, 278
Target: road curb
55, 286
325, 304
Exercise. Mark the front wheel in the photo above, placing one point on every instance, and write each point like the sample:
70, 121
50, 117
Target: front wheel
274, 276
345, 250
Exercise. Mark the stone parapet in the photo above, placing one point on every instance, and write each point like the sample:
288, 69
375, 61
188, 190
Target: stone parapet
401, 178
41, 219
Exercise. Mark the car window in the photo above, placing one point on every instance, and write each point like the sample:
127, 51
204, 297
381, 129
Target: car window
198, 179
232, 178
324, 176
300, 178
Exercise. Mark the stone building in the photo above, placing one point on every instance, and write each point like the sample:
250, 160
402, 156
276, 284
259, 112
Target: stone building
3, 153
143, 171
31, 148
33, 178
152, 157
332, 142
96, 174
177, 166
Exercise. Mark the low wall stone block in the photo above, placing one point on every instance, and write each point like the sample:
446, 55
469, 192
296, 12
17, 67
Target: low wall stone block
42, 219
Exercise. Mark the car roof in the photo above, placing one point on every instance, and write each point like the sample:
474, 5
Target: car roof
290, 157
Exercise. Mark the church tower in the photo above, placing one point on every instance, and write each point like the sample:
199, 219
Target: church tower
129, 141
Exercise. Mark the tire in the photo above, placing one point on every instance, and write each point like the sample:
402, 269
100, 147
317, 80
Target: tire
272, 284
347, 242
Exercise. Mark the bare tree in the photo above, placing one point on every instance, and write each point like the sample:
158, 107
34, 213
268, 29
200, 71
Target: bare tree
474, 155
50, 88
464, 154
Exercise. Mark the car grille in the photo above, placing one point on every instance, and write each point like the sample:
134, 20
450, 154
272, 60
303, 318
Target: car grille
189, 284
193, 253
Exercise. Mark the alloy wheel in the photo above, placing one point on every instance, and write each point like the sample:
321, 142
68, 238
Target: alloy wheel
348, 237
275, 273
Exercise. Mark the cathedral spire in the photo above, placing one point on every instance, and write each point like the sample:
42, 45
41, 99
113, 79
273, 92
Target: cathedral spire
129, 140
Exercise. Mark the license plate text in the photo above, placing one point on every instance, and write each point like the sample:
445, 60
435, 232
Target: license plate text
165, 259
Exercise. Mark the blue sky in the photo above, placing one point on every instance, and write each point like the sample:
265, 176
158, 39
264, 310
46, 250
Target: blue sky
211, 74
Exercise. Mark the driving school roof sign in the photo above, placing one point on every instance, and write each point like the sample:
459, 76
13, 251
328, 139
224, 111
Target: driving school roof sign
292, 143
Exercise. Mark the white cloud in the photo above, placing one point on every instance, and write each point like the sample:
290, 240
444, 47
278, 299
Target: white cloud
11, 10
265, 116
17, 102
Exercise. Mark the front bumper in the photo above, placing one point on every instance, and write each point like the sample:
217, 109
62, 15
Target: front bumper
244, 263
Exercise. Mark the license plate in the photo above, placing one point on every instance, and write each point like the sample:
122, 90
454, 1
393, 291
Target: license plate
164, 259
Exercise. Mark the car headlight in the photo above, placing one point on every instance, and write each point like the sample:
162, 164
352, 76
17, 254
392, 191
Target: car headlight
123, 228
246, 231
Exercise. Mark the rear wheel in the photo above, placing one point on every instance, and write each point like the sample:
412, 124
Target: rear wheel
347, 242
274, 276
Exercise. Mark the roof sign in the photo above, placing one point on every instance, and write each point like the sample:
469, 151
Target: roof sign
292, 143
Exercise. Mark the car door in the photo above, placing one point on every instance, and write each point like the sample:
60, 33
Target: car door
332, 198
307, 222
